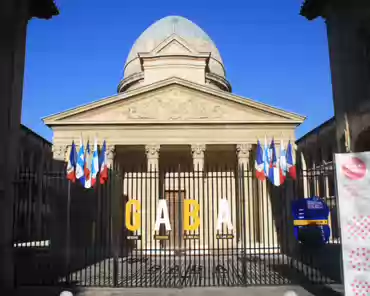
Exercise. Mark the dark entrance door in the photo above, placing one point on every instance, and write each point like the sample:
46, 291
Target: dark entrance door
175, 209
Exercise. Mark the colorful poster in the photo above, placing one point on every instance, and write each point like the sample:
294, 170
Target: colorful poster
353, 188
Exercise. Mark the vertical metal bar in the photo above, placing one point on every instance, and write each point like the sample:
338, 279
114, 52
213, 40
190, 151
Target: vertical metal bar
209, 250
141, 225
214, 232
200, 253
244, 213
131, 196
135, 196
68, 230
222, 196
228, 257
124, 241
115, 206
204, 225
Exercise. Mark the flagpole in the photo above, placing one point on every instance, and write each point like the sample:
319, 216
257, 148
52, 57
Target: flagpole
68, 230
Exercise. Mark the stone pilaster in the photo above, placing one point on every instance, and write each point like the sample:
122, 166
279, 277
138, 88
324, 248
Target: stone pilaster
247, 213
150, 206
197, 151
197, 193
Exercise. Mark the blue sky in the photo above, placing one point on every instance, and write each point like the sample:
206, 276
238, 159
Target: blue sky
271, 53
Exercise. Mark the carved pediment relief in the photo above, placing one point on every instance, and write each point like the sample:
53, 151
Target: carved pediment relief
173, 104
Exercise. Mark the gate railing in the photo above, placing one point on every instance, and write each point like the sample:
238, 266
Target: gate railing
168, 228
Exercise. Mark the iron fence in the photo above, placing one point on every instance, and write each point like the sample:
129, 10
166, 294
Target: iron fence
169, 228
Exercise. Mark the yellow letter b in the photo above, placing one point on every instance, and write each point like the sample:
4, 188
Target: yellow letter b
191, 214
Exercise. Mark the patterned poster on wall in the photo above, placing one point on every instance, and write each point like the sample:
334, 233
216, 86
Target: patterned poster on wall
353, 183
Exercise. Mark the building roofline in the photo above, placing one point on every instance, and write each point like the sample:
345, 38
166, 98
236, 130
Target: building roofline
314, 130
28, 130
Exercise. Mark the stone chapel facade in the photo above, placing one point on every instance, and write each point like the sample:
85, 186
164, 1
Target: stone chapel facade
175, 108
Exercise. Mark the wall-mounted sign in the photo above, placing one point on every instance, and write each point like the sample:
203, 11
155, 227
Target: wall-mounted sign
191, 236
311, 225
224, 236
161, 237
134, 237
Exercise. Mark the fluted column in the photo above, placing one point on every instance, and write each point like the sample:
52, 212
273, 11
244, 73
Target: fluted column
247, 211
197, 193
149, 206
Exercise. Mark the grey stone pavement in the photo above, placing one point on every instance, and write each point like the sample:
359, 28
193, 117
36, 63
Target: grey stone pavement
214, 291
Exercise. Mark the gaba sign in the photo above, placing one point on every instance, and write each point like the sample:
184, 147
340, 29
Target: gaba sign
311, 221
191, 217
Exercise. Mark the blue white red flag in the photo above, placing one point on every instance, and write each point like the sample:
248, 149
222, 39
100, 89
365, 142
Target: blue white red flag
72, 161
259, 165
80, 163
95, 164
282, 163
266, 159
291, 161
87, 169
275, 174
103, 164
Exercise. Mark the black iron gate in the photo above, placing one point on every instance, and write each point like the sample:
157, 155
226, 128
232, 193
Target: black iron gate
227, 229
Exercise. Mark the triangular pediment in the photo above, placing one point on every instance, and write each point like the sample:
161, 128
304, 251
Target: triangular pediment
174, 103
173, 45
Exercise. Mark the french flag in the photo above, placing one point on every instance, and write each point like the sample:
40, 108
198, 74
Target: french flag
259, 164
95, 164
81, 163
291, 162
87, 168
266, 159
282, 163
275, 173
103, 164
71, 166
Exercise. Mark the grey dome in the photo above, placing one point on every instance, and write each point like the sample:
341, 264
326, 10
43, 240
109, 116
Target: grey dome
164, 28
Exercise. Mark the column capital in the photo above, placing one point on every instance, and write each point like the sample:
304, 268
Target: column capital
152, 156
152, 151
59, 152
111, 151
198, 150
243, 150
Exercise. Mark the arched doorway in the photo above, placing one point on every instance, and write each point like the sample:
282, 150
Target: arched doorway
363, 141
